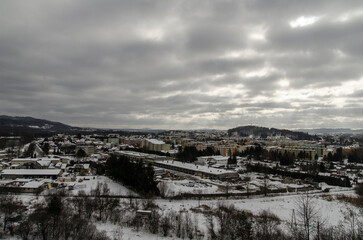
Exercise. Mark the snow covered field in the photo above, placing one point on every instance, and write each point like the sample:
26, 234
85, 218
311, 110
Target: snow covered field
173, 188
88, 185
330, 210
282, 206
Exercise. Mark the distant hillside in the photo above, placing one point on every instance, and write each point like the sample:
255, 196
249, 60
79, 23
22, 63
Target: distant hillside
332, 131
10, 124
263, 132
23, 125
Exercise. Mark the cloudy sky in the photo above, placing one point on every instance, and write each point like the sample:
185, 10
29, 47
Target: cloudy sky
183, 64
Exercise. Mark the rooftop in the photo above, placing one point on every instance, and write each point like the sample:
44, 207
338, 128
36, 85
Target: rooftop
30, 172
195, 167
155, 141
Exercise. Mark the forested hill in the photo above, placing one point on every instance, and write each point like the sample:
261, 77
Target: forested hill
32, 125
27, 125
263, 132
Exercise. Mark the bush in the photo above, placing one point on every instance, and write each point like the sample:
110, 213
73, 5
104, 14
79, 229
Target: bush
359, 190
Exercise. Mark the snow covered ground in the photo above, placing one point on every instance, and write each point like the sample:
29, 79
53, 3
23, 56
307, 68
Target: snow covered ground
126, 233
331, 210
91, 183
176, 187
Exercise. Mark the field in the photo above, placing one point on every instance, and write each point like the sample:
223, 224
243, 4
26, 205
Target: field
331, 211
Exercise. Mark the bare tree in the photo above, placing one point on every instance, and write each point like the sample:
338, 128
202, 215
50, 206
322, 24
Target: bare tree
178, 224
198, 192
10, 208
163, 189
267, 225
265, 185
211, 227
359, 190
233, 224
307, 213
188, 226
165, 224
247, 180
355, 226
153, 222
102, 203
24, 229
227, 188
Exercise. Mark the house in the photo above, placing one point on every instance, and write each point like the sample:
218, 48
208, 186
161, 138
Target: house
29, 161
80, 168
23, 186
44, 163
22, 161
30, 173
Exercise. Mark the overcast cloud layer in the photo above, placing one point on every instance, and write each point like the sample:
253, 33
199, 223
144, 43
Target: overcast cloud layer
183, 64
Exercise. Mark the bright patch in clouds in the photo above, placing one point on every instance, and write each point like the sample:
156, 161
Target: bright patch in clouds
350, 15
153, 34
247, 53
304, 21
257, 36
260, 73
284, 83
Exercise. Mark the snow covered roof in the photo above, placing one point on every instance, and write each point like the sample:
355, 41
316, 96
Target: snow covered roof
81, 166
31, 172
44, 163
140, 155
25, 160
155, 141
32, 184
217, 158
34, 159
195, 167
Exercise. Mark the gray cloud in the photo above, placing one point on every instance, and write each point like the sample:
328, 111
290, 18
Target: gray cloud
183, 64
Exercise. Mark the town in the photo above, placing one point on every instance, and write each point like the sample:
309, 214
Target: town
205, 166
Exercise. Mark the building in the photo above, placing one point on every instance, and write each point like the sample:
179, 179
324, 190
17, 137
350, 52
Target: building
30, 173
155, 145
210, 160
22, 161
22, 186
197, 170
88, 149
113, 140
141, 156
80, 168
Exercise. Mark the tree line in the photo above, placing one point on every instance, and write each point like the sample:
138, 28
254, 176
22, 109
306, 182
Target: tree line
133, 173
55, 217
335, 181
191, 153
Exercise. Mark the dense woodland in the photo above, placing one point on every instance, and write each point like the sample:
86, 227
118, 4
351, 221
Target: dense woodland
263, 132
133, 173
190, 154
